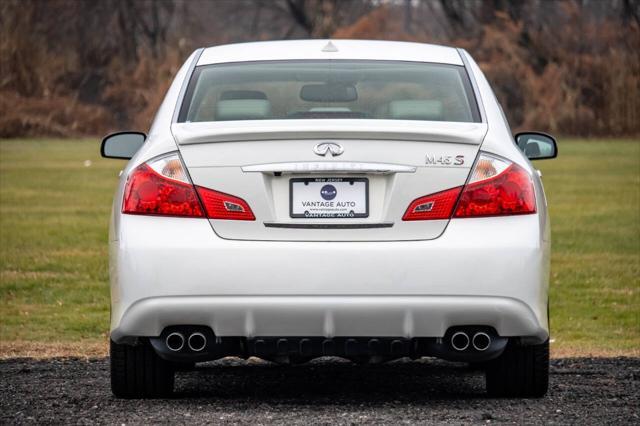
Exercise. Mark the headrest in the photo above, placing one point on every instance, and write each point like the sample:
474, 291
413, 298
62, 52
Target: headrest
416, 110
242, 109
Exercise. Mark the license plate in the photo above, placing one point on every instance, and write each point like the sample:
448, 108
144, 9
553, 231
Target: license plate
329, 198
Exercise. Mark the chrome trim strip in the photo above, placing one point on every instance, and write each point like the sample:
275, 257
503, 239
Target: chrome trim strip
328, 166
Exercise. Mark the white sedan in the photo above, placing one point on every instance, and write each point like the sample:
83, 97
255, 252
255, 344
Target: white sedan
360, 199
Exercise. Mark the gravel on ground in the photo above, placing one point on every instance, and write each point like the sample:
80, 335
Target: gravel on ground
325, 391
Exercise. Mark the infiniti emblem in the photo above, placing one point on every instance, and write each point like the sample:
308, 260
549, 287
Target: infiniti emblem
324, 147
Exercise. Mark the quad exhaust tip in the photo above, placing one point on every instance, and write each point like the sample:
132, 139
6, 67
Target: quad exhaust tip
460, 341
175, 341
481, 341
197, 342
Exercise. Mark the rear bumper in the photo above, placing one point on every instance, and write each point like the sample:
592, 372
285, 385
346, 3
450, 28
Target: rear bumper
169, 271
398, 316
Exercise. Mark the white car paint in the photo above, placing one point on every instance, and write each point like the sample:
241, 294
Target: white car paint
244, 279
318, 49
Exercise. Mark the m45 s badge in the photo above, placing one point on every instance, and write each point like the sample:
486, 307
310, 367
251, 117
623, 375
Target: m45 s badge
445, 160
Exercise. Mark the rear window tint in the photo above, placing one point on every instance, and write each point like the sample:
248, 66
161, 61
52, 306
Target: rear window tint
284, 90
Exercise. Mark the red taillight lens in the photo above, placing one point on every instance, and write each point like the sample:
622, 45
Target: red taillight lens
508, 193
150, 193
162, 187
434, 206
497, 187
219, 205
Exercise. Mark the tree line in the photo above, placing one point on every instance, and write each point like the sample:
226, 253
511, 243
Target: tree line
73, 67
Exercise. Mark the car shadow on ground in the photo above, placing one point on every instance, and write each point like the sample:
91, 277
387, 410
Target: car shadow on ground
332, 381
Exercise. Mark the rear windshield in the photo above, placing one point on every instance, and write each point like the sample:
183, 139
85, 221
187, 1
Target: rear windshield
283, 90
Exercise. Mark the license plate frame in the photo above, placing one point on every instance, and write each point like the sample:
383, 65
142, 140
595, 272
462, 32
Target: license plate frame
326, 181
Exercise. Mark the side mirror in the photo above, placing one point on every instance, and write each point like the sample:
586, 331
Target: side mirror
122, 145
536, 145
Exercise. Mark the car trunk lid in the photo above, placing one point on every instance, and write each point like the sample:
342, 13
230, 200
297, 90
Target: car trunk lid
274, 165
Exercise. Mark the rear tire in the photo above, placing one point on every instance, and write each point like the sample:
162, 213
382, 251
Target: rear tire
521, 371
138, 372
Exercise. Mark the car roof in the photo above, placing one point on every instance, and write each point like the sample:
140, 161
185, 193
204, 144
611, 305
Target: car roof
330, 49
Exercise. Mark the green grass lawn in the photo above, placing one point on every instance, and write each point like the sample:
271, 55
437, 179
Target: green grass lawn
593, 191
54, 211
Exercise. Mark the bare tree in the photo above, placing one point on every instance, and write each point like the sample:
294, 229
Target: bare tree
154, 20
318, 18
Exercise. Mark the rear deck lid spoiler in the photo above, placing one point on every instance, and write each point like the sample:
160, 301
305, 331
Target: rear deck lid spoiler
237, 131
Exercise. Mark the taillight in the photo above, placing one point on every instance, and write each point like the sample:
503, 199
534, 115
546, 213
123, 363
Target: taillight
497, 187
162, 187
434, 206
219, 205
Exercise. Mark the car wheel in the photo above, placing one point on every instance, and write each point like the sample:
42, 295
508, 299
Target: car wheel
138, 372
521, 371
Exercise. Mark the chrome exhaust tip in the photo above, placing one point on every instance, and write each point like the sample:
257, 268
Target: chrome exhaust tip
175, 341
481, 341
460, 341
197, 342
